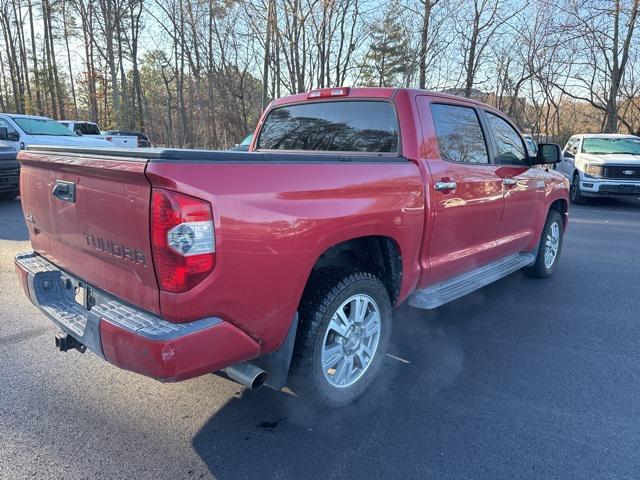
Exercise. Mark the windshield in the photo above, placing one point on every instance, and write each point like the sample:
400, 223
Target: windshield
247, 140
603, 146
42, 126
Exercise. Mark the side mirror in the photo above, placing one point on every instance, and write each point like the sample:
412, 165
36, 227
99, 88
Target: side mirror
548, 154
78, 132
4, 133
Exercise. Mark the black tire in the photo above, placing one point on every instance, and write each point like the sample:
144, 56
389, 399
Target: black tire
8, 195
576, 195
540, 269
325, 294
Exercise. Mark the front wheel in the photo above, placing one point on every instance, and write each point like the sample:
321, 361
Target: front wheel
344, 332
548, 248
576, 194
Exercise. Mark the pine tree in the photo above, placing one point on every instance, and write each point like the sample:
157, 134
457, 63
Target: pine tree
389, 60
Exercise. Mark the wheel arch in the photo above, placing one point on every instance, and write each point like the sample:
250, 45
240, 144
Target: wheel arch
379, 255
561, 205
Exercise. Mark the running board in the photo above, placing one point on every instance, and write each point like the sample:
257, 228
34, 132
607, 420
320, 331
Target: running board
441, 293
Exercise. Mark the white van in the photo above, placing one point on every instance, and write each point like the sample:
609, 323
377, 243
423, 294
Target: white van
23, 130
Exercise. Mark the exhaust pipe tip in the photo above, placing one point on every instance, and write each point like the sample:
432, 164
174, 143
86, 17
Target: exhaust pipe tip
259, 380
247, 374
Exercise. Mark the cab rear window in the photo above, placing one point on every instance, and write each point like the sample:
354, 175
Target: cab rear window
341, 126
88, 128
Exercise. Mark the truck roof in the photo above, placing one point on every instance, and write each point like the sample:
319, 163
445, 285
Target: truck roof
605, 135
21, 115
373, 92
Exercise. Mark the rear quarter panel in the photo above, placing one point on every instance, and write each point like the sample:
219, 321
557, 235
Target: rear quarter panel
274, 220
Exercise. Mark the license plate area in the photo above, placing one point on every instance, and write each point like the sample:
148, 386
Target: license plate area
82, 293
54, 293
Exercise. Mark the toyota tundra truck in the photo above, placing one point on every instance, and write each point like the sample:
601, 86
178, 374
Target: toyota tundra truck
281, 265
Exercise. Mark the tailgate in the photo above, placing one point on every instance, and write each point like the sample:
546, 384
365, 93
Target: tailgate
89, 215
122, 141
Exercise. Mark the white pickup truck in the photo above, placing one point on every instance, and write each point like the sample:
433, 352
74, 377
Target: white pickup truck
602, 165
23, 130
91, 129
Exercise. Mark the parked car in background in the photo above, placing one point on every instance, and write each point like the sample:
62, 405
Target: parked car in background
91, 129
9, 169
25, 130
532, 146
244, 145
602, 165
143, 139
281, 265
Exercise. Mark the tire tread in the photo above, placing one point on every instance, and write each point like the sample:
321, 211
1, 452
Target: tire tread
324, 287
539, 269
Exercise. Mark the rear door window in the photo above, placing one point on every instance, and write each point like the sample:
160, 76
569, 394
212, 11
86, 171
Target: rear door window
459, 134
341, 126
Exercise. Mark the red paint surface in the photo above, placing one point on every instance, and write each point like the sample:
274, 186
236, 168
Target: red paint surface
274, 221
185, 357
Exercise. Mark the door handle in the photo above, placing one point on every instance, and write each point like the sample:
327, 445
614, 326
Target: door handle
509, 182
440, 186
65, 191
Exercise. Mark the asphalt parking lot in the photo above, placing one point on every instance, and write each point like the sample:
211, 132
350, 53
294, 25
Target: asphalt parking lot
523, 379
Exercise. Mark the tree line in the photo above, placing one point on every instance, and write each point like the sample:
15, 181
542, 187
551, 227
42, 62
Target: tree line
197, 73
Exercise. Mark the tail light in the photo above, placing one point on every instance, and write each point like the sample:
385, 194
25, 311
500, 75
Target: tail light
183, 239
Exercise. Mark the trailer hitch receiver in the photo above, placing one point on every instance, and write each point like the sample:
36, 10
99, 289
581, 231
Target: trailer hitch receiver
66, 342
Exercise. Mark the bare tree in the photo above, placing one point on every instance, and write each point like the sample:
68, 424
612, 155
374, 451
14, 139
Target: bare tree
604, 35
198, 73
477, 31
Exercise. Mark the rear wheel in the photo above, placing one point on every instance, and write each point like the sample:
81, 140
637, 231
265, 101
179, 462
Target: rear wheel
344, 332
549, 247
576, 194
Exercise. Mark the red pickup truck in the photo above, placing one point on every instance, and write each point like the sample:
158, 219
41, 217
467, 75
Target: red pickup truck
281, 265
